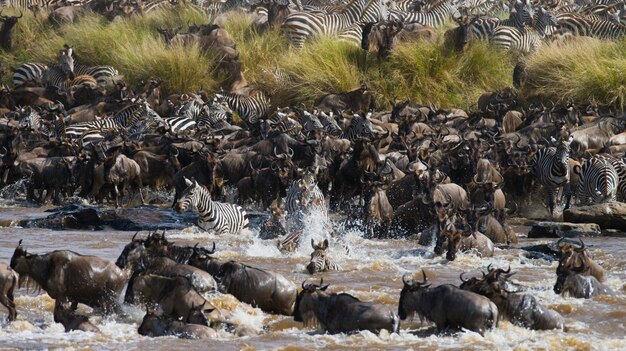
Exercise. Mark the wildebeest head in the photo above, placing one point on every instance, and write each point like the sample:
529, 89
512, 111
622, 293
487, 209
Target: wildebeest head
564, 271
19, 258
410, 286
202, 258
305, 300
573, 260
132, 253
450, 236
8, 22
494, 283
152, 325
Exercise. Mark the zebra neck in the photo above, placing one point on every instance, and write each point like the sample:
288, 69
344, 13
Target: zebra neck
204, 204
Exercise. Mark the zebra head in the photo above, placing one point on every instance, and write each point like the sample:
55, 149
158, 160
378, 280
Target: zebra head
190, 196
66, 62
318, 257
152, 115
546, 21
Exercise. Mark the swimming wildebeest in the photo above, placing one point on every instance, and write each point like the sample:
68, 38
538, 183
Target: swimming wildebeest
154, 325
447, 306
8, 282
269, 291
521, 309
71, 320
341, 313
572, 281
70, 277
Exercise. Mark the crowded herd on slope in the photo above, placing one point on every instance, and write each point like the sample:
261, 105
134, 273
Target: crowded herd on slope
445, 177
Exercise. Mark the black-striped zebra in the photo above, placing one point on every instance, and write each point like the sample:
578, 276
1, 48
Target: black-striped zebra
215, 216
483, 28
375, 11
526, 39
56, 76
103, 74
620, 168
249, 108
330, 125
122, 120
551, 168
303, 195
598, 181
301, 26
82, 80
31, 72
282, 123
359, 127
25, 4
178, 124
436, 17
310, 122
214, 116
320, 260
31, 119
607, 29
191, 109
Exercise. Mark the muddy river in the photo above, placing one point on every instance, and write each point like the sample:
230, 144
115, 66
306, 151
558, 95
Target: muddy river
371, 270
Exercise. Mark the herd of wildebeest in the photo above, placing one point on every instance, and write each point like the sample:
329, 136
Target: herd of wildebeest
441, 177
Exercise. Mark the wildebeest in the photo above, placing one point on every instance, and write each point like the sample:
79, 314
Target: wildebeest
269, 291
6, 32
341, 313
462, 240
577, 257
68, 276
175, 296
447, 306
122, 172
360, 99
521, 309
154, 325
71, 320
8, 282
320, 262
571, 282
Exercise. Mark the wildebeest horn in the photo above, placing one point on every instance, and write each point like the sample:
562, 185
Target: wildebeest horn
476, 180
3, 151
21, 14
290, 152
134, 236
489, 268
461, 277
213, 249
558, 243
275, 153
582, 246
425, 277
20, 242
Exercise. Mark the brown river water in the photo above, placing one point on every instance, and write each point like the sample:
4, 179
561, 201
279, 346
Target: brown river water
371, 270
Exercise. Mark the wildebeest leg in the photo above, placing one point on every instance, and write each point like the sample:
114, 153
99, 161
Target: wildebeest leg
116, 193
7, 301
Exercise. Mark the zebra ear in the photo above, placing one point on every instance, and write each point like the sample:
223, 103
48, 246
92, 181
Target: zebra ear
313, 243
188, 182
325, 244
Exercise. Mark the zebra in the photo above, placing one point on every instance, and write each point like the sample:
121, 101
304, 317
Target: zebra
215, 216
598, 180
29, 72
56, 76
214, 116
320, 261
32, 120
551, 168
359, 127
26, 4
249, 108
607, 29
304, 195
310, 122
301, 26
522, 16
526, 39
436, 17
102, 74
375, 11
329, 124
124, 119
177, 124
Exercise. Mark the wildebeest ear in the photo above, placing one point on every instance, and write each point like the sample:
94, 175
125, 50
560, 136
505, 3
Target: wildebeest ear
188, 182
20, 242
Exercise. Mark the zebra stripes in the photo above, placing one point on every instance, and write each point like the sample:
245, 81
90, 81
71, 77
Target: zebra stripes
329, 124
56, 76
526, 39
214, 216
178, 124
552, 170
303, 195
214, 116
31, 72
359, 127
483, 28
25, 4
249, 108
598, 181
320, 260
301, 26
436, 17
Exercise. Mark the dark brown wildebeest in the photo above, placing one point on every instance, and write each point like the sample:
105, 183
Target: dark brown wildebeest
6, 32
155, 326
175, 296
71, 320
461, 240
359, 100
571, 282
8, 282
66, 14
577, 257
520, 309
158, 171
320, 262
70, 277
269, 291
447, 306
121, 172
341, 313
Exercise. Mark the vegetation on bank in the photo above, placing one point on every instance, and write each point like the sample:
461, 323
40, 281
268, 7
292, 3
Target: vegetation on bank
424, 72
